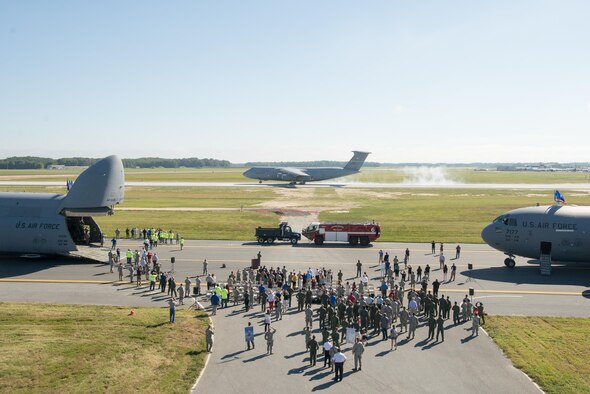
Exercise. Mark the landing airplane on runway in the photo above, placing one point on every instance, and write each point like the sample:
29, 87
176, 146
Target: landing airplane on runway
44, 223
561, 232
302, 175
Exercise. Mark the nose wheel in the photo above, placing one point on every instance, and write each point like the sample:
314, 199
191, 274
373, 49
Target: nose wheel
509, 262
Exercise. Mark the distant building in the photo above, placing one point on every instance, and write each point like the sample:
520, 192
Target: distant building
56, 167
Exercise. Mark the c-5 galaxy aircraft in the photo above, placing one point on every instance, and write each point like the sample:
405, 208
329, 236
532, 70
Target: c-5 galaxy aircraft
560, 232
43, 223
302, 175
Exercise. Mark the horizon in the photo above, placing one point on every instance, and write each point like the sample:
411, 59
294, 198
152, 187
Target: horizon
427, 82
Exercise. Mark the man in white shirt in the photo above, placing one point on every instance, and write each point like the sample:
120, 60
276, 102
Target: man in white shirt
339, 359
327, 346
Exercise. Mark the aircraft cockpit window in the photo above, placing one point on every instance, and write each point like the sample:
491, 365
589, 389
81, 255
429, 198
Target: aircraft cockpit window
512, 222
501, 219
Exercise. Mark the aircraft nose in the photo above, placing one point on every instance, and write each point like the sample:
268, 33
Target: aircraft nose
247, 173
487, 233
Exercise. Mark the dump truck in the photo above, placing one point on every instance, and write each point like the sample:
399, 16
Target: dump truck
353, 233
282, 233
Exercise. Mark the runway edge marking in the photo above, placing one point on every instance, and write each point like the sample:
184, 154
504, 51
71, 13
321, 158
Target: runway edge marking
194, 388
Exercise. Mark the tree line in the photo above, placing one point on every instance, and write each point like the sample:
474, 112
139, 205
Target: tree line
34, 162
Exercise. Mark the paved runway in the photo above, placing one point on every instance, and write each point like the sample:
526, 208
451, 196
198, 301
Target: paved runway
460, 364
519, 291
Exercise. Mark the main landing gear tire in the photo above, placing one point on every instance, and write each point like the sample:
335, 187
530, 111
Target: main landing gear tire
510, 263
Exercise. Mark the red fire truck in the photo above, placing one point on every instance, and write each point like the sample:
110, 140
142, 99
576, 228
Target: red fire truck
353, 233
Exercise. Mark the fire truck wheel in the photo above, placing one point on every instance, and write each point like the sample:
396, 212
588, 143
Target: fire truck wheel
364, 241
353, 240
319, 240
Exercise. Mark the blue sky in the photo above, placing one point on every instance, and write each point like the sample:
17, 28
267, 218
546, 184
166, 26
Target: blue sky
420, 81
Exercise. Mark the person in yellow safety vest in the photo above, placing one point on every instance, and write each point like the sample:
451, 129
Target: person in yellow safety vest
181, 243
171, 237
217, 290
224, 297
164, 236
152, 281
154, 239
129, 255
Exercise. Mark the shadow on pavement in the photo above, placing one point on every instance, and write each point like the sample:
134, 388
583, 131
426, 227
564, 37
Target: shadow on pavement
15, 265
231, 355
560, 275
322, 375
296, 371
331, 382
431, 345
255, 358
295, 354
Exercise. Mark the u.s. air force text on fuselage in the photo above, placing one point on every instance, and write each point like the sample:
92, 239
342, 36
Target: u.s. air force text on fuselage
47, 223
559, 231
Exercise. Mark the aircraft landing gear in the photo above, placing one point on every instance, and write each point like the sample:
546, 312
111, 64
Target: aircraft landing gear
260, 181
509, 262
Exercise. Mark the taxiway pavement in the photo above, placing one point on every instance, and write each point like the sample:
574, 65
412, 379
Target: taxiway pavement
461, 364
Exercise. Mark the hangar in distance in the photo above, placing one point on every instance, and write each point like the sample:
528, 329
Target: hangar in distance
548, 233
62, 224
309, 174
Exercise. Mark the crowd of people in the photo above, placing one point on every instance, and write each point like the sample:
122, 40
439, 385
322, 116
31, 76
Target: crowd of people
396, 302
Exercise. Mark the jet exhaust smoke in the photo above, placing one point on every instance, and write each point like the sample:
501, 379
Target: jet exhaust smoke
425, 175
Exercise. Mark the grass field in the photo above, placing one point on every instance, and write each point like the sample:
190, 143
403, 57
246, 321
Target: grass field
368, 174
95, 349
553, 351
406, 215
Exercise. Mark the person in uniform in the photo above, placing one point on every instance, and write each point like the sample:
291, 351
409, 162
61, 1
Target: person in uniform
209, 334
431, 326
357, 350
440, 327
322, 314
308, 317
313, 346
187, 286
456, 313
359, 267
247, 300
269, 336
403, 319
300, 300
475, 326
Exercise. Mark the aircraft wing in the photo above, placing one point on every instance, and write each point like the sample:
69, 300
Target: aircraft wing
294, 172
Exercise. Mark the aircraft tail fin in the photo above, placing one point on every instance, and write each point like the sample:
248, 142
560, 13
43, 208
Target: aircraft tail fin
357, 161
99, 187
